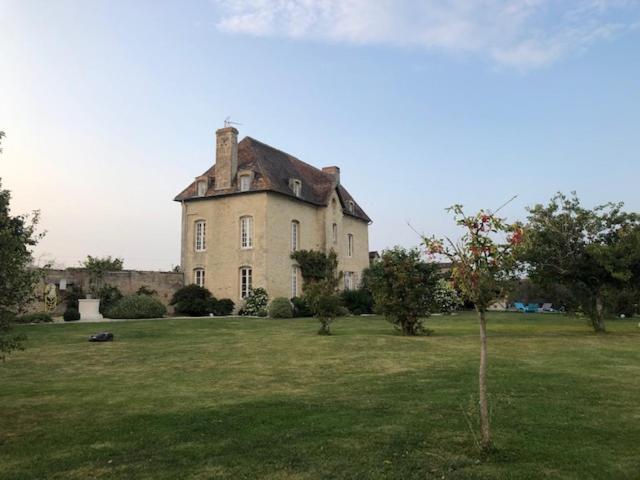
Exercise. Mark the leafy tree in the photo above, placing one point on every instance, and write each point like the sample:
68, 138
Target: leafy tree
402, 285
98, 267
17, 275
483, 268
592, 253
193, 300
321, 277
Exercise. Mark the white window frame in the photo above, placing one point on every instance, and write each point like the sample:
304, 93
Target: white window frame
200, 234
295, 235
198, 276
295, 270
246, 232
334, 232
351, 206
349, 245
296, 186
246, 281
201, 188
245, 183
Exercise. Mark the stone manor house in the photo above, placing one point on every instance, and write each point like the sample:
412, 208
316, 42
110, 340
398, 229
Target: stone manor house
242, 218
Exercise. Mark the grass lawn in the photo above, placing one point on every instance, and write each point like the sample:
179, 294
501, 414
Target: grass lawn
259, 398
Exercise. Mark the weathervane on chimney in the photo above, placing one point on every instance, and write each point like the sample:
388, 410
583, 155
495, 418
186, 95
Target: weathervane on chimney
229, 123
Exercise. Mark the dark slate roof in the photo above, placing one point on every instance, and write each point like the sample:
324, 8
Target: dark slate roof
272, 170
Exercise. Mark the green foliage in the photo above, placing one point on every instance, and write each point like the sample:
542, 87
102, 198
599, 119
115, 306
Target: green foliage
593, 253
255, 304
223, 307
17, 275
193, 300
72, 294
402, 286
321, 277
40, 317
144, 290
445, 298
71, 314
98, 267
280, 307
623, 302
109, 295
358, 302
301, 308
137, 306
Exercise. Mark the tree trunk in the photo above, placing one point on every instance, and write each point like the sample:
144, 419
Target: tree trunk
597, 317
485, 427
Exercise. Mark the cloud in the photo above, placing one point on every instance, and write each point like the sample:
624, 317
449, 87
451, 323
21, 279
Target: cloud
519, 33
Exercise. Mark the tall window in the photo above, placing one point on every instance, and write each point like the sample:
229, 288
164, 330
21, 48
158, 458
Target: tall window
334, 233
246, 232
295, 235
202, 188
245, 281
349, 280
349, 245
201, 235
294, 281
245, 183
350, 206
198, 277
296, 186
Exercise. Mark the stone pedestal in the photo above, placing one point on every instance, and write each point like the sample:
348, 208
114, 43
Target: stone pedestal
89, 309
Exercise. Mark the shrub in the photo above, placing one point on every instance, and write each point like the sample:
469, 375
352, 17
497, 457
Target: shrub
193, 300
71, 314
358, 302
223, 307
137, 306
255, 304
445, 298
280, 307
301, 307
40, 317
72, 294
109, 296
343, 311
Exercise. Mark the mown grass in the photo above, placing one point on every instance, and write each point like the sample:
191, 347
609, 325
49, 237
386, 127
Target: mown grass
259, 398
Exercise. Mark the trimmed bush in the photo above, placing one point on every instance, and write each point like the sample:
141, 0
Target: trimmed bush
301, 307
256, 303
40, 317
137, 306
194, 301
72, 295
109, 296
280, 307
71, 314
358, 302
223, 307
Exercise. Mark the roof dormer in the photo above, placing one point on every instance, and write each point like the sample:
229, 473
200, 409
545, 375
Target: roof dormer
295, 185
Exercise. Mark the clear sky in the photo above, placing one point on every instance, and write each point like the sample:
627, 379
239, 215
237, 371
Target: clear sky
110, 107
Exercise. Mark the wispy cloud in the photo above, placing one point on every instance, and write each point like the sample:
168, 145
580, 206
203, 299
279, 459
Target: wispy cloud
519, 33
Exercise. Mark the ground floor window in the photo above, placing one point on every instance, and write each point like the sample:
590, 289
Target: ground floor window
349, 280
295, 275
198, 277
246, 280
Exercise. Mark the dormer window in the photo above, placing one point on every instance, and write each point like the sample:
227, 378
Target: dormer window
245, 183
201, 187
350, 206
296, 186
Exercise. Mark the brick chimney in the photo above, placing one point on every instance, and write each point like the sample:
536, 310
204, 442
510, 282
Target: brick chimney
334, 172
226, 157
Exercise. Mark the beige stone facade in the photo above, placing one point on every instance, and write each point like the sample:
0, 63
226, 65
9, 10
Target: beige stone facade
324, 216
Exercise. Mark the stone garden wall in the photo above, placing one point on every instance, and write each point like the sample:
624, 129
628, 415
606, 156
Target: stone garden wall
127, 281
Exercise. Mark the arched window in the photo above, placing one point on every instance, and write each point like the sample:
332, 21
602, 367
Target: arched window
245, 183
200, 235
296, 186
295, 235
246, 281
349, 245
351, 206
246, 232
198, 276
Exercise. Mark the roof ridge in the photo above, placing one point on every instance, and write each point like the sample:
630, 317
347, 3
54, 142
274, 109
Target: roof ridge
319, 170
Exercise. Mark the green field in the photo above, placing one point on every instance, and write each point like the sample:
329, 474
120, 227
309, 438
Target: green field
260, 398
